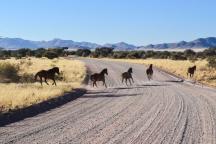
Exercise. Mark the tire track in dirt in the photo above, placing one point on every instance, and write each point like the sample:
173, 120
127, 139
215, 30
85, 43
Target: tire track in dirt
158, 111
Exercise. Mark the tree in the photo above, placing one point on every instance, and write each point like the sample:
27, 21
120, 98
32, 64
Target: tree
212, 62
189, 53
209, 52
103, 52
83, 52
50, 54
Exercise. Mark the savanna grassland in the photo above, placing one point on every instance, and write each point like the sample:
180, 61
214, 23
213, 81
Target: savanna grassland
25, 91
203, 74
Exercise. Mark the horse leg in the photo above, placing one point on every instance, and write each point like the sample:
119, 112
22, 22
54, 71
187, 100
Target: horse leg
130, 81
46, 81
126, 81
104, 83
54, 82
41, 80
94, 83
122, 79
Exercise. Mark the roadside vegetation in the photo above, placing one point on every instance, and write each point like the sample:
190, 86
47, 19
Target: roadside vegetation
49, 53
18, 88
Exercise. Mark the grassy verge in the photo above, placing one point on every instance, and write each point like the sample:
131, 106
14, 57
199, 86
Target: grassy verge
204, 74
19, 95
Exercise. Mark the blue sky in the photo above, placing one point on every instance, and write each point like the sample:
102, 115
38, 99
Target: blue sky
138, 22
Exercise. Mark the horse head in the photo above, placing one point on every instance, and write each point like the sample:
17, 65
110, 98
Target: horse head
194, 67
130, 70
105, 71
150, 66
56, 70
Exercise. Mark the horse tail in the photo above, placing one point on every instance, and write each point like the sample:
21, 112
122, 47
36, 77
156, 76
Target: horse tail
36, 75
122, 75
91, 77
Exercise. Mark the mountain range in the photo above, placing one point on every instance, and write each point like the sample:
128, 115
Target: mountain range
16, 43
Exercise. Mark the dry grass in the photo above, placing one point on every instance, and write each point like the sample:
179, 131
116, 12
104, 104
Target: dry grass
19, 95
204, 74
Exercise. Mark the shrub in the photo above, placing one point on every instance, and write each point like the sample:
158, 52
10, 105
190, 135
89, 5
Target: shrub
209, 52
178, 56
103, 52
9, 72
27, 78
83, 52
50, 54
212, 62
120, 54
189, 53
192, 59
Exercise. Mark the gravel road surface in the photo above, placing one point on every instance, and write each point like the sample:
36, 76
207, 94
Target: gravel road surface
163, 110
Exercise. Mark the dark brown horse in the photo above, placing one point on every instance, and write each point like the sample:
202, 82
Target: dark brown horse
127, 76
149, 72
47, 74
191, 71
99, 77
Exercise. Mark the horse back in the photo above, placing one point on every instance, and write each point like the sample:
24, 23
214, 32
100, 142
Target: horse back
126, 75
191, 70
149, 71
97, 77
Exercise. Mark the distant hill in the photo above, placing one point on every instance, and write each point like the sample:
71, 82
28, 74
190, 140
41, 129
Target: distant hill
121, 46
16, 43
198, 43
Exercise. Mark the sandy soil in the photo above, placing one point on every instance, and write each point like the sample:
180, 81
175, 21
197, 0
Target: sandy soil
159, 111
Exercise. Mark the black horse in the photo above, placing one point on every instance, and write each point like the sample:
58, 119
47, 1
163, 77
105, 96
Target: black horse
191, 71
149, 72
47, 74
127, 76
99, 77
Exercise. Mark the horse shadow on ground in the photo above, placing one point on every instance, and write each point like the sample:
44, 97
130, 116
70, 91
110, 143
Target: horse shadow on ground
20, 114
141, 86
175, 81
109, 95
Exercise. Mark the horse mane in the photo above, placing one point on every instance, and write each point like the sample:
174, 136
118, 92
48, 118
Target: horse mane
194, 66
54, 69
130, 70
150, 67
104, 70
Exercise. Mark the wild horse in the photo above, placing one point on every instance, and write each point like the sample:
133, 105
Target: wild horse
99, 77
127, 76
191, 71
47, 74
149, 72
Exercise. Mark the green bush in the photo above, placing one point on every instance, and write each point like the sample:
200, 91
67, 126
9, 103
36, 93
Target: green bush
50, 54
212, 62
27, 78
189, 53
103, 52
83, 52
9, 72
120, 54
178, 56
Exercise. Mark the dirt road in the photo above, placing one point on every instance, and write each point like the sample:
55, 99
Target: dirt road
159, 111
